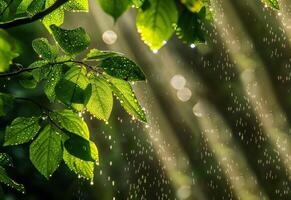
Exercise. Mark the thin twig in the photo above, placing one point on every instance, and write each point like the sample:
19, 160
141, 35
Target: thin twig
30, 19
22, 69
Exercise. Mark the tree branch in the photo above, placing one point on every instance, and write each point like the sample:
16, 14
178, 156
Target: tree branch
22, 70
27, 20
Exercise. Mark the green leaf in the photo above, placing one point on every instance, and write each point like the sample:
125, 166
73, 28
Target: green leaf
68, 120
46, 151
97, 55
272, 3
71, 89
8, 51
46, 51
13, 7
205, 14
27, 80
71, 41
5, 160
4, 178
21, 130
64, 58
155, 24
23, 6
193, 5
36, 6
40, 71
80, 148
123, 68
38, 64
3, 5
56, 17
6, 103
52, 77
138, 3
115, 8
80, 167
43, 70
99, 100
77, 5
188, 28
127, 98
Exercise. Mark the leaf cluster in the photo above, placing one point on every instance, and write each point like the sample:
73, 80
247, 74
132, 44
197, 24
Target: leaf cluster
158, 20
79, 86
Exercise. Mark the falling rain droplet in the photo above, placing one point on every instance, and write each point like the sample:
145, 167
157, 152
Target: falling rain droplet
198, 109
